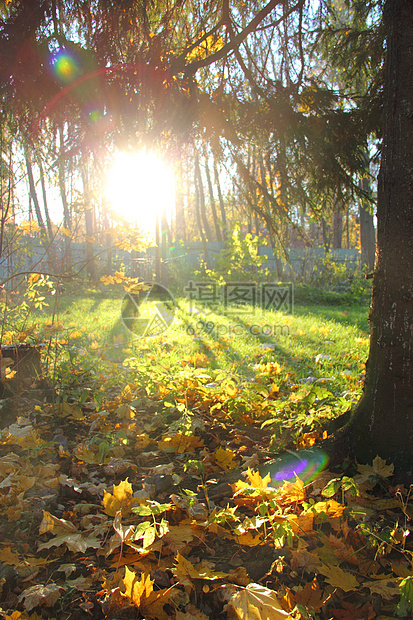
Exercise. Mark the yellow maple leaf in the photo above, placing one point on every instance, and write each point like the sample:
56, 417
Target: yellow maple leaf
258, 603
140, 592
225, 458
255, 481
186, 571
330, 507
180, 443
7, 556
339, 578
250, 539
121, 499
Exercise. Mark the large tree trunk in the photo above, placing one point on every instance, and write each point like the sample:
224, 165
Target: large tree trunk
382, 423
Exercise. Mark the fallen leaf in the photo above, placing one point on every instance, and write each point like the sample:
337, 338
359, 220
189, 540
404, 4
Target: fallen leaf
225, 458
255, 602
141, 594
378, 468
310, 597
351, 612
250, 539
40, 595
386, 588
339, 578
180, 443
184, 570
121, 499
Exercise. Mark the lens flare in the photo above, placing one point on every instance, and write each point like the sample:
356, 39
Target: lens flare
64, 66
305, 464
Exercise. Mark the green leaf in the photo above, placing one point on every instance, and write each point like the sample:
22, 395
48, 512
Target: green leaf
331, 488
151, 510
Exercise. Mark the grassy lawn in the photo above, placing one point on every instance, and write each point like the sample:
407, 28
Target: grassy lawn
297, 369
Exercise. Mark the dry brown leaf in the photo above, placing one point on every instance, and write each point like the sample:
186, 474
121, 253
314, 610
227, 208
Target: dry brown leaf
65, 533
386, 588
351, 612
310, 597
303, 559
301, 523
40, 595
239, 576
378, 468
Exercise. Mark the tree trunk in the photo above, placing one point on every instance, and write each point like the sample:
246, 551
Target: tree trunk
180, 227
201, 196
367, 232
382, 423
212, 199
89, 224
199, 220
45, 205
337, 229
33, 193
67, 220
221, 201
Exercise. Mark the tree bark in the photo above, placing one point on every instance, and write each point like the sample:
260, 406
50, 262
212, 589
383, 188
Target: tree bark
382, 422
33, 192
337, 229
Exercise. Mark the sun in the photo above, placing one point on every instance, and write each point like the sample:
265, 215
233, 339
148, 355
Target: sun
140, 188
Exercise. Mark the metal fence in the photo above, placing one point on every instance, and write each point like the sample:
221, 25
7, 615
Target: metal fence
163, 263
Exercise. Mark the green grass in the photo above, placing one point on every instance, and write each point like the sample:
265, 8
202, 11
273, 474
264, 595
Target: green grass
293, 370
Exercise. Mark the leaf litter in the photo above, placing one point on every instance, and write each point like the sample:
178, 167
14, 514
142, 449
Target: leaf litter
174, 504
